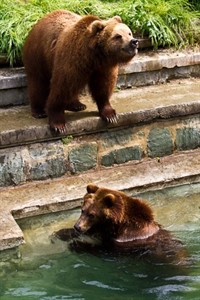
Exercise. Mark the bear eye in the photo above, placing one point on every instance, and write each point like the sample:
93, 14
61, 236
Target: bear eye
91, 216
118, 36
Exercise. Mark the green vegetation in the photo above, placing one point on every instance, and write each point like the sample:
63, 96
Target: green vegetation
165, 22
195, 4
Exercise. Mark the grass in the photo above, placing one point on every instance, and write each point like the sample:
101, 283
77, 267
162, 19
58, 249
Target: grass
165, 22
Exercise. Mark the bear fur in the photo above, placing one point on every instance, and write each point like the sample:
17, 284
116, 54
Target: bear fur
64, 52
122, 224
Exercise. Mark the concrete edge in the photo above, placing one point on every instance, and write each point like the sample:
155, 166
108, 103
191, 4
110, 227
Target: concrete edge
12, 78
95, 124
12, 235
143, 62
159, 60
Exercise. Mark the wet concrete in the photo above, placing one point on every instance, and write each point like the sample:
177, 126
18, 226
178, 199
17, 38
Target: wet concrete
134, 106
66, 193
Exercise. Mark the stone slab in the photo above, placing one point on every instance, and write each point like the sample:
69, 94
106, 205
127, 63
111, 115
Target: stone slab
157, 60
66, 193
161, 76
12, 77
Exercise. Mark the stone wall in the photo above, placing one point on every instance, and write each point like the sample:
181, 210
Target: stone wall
74, 155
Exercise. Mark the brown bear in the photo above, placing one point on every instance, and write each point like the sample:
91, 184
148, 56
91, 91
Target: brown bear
124, 225
114, 222
64, 52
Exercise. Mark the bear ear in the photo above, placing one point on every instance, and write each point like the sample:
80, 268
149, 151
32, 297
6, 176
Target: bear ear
117, 18
97, 26
92, 188
109, 200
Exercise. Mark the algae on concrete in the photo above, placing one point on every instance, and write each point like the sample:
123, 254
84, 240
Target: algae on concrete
120, 156
187, 138
83, 157
160, 142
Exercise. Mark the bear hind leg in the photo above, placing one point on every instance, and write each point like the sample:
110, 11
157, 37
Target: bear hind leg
76, 105
38, 94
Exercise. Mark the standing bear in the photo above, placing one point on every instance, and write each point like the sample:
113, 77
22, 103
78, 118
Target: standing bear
116, 223
64, 52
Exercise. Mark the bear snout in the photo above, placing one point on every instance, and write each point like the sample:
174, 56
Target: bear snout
131, 48
134, 43
81, 225
77, 227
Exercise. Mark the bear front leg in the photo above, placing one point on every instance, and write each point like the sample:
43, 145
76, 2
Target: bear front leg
55, 110
57, 120
101, 86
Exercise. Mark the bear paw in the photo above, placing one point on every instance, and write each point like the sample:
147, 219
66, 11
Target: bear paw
76, 106
57, 122
109, 115
39, 115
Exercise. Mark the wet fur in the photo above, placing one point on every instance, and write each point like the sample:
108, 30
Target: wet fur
124, 225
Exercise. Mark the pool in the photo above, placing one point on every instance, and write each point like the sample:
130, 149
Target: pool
47, 270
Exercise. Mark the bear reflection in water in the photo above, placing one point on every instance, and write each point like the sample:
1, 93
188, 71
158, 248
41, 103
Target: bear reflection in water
114, 222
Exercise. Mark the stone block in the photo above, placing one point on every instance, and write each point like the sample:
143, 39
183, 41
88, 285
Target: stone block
83, 157
120, 156
46, 160
159, 142
187, 138
11, 167
113, 138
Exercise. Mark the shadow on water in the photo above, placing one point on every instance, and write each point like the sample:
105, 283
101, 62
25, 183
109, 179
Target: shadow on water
49, 270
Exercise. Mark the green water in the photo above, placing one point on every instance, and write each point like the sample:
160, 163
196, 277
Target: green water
48, 270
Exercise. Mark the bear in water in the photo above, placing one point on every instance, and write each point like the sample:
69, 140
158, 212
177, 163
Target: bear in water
122, 224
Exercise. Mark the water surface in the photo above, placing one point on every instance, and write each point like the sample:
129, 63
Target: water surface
48, 270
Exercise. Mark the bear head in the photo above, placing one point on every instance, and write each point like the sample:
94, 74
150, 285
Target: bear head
114, 39
110, 209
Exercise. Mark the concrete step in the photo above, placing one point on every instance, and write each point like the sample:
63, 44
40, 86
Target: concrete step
148, 67
154, 121
66, 193
134, 106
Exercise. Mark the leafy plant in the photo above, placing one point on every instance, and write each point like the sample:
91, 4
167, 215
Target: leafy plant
165, 22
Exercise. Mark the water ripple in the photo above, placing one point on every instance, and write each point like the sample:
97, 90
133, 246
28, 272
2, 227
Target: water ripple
102, 285
167, 289
184, 278
24, 292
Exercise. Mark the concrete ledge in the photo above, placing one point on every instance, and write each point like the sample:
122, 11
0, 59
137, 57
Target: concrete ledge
13, 87
66, 193
12, 77
93, 124
11, 235
134, 106
157, 60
